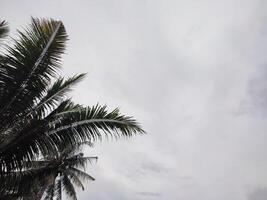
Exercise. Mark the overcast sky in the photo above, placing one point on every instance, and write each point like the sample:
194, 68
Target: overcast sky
194, 74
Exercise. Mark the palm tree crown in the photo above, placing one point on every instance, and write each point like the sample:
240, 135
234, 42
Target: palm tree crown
60, 172
37, 118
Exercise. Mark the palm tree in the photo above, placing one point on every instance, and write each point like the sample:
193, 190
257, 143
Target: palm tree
37, 118
60, 172
48, 177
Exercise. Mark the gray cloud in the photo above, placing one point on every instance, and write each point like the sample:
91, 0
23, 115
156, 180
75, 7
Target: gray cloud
256, 104
259, 194
153, 167
149, 194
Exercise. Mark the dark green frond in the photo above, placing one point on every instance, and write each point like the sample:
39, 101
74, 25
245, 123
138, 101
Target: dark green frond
68, 187
82, 175
33, 164
30, 139
90, 123
70, 150
56, 93
29, 65
58, 189
49, 193
74, 179
19, 182
41, 129
80, 161
3, 29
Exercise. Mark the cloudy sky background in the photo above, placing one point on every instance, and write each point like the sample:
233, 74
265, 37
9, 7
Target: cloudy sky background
192, 72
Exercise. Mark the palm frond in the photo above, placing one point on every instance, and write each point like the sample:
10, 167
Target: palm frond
19, 182
91, 123
56, 93
13, 196
49, 193
70, 150
27, 68
81, 174
41, 129
30, 139
68, 187
3, 29
74, 179
33, 164
80, 161
58, 189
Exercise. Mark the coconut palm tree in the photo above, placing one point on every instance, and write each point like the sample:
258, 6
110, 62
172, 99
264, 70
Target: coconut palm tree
60, 172
37, 118
48, 177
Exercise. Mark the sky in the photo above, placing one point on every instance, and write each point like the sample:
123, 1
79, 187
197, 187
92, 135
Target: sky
193, 73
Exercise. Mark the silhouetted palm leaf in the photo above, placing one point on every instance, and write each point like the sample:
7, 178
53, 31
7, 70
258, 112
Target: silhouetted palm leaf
3, 29
38, 119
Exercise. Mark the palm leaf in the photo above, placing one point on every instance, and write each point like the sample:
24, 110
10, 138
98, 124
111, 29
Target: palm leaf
80, 161
30, 139
89, 124
58, 189
27, 68
3, 29
70, 150
68, 187
74, 179
49, 193
81, 174
57, 93
41, 129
